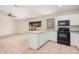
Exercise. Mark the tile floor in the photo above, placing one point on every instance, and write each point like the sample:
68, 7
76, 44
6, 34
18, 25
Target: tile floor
17, 44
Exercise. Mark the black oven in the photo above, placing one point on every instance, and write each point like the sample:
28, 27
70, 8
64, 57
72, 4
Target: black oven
63, 36
63, 33
64, 23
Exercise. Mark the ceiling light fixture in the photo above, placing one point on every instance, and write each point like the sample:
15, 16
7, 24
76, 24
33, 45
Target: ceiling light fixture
11, 15
15, 5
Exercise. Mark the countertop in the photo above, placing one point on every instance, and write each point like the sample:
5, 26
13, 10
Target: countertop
41, 31
36, 32
44, 31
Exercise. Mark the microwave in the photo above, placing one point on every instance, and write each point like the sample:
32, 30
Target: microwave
64, 23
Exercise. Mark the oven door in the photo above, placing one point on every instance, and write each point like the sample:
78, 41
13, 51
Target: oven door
63, 36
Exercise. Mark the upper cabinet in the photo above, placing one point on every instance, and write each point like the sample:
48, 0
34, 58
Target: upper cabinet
74, 19
50, 23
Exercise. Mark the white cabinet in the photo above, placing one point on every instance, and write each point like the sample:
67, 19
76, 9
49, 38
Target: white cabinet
75, 39
74, 19
42, 39
50, 23
52, 35
32, 40
36, 40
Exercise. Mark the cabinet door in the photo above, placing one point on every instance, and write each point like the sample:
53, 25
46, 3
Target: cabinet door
42, 39
33, 41
50, 23
74, 19
53, 36
75, 39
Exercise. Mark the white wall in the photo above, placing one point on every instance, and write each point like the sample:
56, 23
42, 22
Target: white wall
7, 25
16, 26
22, 26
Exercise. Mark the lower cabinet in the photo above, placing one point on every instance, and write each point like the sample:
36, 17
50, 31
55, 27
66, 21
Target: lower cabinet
42, 39
52, 36
32, 40
74, 39
36, 40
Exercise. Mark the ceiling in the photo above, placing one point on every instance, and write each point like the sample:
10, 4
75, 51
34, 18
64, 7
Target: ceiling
30, 11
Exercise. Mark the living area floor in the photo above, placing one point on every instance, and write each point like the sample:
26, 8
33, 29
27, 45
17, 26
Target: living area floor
17, 44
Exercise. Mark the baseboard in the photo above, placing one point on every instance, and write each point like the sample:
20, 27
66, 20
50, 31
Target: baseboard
53, 41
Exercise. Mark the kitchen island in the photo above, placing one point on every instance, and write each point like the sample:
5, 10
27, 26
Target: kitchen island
36, 39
